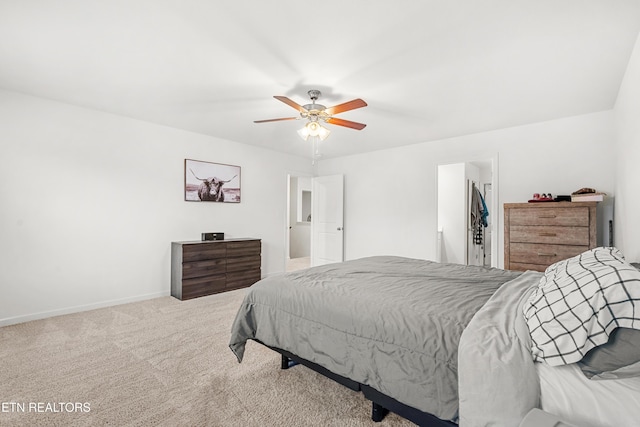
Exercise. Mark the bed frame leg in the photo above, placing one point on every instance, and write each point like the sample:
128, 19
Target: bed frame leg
378, 412
284, 362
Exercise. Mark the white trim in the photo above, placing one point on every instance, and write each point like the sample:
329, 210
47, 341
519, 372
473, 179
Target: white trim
79, 308
287, 219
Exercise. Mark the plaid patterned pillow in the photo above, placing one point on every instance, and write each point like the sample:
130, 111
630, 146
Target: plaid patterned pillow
579, 302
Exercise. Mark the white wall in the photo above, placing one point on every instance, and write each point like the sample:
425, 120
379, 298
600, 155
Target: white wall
91, 202
452, 212
627, 204
390, 194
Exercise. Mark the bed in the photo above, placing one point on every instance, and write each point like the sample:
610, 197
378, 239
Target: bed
429, 341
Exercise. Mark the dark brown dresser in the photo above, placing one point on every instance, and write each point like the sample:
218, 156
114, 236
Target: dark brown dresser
537, 235
202, 268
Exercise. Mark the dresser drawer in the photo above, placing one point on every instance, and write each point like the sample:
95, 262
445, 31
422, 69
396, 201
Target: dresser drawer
203, 251
550, 216
524, 267
242, 279
550, 234
204, 268
541, 254
241, 249
193, 288
243, 263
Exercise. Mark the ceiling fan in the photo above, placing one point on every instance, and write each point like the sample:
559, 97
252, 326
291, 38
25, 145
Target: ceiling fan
317, 113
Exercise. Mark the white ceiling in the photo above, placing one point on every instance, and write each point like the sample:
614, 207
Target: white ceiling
429, 69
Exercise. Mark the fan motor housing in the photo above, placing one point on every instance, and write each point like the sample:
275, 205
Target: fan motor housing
314, 94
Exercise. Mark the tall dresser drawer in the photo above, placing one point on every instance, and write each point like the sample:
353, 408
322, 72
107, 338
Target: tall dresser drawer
550, 235
543, 254
570, 217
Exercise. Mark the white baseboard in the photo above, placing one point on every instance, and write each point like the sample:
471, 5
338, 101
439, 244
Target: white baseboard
45, 314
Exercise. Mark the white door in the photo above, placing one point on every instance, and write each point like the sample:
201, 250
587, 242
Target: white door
327, 214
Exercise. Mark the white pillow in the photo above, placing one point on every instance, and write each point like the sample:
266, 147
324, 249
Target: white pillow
579, 302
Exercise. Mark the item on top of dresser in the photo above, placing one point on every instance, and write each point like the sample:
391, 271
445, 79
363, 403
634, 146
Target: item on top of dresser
585, 190
537, 197
212, 236
563, 198
588, 197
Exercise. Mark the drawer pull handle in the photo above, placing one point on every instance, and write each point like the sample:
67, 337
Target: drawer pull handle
548, 234
547, 216
544, 254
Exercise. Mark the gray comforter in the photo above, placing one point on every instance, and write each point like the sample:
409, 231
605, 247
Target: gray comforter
497, 378
389, 322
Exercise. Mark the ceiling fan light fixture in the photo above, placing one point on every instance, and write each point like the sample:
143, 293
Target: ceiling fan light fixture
314, 129
323, 132
304, 133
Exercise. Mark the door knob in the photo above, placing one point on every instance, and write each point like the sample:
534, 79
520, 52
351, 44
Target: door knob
339, 228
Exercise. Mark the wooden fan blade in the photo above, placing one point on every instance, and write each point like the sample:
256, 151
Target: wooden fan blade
346, 123
276, 120
291, 103
351, 105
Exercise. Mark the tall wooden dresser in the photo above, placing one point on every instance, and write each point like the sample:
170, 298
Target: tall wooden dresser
202, 268
538, 234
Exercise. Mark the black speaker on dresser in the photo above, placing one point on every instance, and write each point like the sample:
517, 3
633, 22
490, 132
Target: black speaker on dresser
212, 236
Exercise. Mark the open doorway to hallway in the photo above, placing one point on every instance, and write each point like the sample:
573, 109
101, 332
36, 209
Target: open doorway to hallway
299, 223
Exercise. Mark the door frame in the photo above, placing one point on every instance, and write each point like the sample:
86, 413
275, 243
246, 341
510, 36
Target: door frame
287, 216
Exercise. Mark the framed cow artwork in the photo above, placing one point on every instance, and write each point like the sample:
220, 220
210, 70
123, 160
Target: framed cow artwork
211, 182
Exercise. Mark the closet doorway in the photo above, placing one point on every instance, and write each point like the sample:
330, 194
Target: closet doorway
465, 190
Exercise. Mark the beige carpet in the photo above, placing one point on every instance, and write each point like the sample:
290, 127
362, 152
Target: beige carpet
161, 362
294, 264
